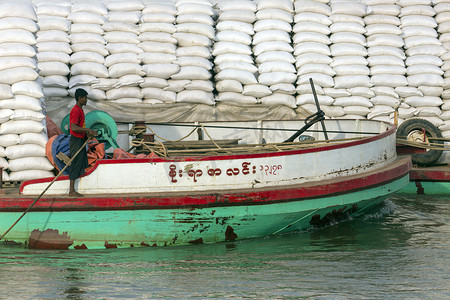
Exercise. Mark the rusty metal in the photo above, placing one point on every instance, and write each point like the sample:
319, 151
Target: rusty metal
110, 246
49, 239
230, 235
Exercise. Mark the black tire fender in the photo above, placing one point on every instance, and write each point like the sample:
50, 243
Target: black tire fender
412, 127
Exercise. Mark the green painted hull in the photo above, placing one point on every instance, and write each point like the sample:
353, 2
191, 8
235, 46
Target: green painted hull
427, 188
163, 227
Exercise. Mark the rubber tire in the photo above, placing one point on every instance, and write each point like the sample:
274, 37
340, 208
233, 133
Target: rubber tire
430, 157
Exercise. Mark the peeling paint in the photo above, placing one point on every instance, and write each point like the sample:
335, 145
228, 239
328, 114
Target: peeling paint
204, 228
49, 239
197, 241
11, 243
229, 234
109, 246
222, 221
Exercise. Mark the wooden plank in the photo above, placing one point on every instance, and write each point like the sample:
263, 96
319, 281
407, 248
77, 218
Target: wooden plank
64, 158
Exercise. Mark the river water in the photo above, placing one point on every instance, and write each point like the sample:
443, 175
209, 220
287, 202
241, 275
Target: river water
400, 250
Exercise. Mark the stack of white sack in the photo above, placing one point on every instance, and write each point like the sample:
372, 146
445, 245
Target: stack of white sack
349, 53
423, 50
22, 137
313, 56
123, 62
195, 33
386, 60
159, 51
234, 64
88, 46
53, 48
274, 54
442, 9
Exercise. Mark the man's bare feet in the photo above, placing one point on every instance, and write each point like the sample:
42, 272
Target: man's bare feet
75, 194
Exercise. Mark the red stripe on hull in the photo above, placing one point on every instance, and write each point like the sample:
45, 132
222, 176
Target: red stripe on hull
216, 198
430, 175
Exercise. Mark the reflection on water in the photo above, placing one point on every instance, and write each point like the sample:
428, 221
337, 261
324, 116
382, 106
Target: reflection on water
399, 251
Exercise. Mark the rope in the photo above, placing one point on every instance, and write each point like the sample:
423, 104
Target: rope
429, 146
209, 136
180, 139
147, 145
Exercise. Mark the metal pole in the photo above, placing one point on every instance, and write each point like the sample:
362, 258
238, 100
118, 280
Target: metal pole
318, 107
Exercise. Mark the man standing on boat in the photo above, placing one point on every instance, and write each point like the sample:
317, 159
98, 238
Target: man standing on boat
77, 140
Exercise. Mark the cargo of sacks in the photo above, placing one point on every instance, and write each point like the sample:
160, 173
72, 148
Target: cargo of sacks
312, 53
442, 17
386, 61
88, 47
259, 52
158, 52
194, 36
423, 50
348, 50
234, 64
125, 72
53, 48
22, 129
273, 52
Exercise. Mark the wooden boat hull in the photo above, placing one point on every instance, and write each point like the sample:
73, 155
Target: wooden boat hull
114, 221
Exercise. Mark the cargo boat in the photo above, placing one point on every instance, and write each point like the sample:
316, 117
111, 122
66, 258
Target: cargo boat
250, 179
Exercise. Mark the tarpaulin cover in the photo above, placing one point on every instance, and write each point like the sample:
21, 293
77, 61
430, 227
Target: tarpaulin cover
60, 143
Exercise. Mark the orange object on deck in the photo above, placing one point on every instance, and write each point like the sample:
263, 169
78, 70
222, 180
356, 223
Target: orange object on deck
120, 153
52, 128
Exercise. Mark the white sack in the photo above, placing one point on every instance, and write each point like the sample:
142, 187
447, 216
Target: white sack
30, 163
21, 126
195, 97
27, 88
